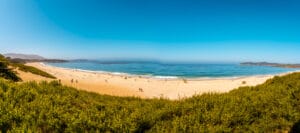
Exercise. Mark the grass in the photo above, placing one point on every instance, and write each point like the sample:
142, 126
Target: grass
9, 74
50, 107
32, 70
6, 72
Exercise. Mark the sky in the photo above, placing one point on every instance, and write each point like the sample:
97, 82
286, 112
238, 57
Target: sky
166, 30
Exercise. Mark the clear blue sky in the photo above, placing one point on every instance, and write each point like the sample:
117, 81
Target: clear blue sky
171, 30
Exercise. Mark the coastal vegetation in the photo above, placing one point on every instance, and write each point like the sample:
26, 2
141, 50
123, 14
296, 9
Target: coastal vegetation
51, 107
32, 70
7, 72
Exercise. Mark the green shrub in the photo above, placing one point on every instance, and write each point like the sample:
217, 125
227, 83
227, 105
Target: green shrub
32, 70
6, 72
50, 107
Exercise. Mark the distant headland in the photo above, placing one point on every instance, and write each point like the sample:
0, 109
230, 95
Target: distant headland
25, 58
271, 64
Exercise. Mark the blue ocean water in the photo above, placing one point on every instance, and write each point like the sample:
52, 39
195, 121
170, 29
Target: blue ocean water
173, 70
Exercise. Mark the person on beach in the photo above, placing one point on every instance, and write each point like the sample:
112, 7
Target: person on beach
141, 90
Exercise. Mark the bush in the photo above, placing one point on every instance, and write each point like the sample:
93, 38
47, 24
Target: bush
32, 70
5, 72
50, 107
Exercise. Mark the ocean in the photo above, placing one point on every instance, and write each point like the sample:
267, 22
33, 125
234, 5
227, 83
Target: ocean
172, 70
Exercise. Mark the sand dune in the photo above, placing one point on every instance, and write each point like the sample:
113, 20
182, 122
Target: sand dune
125, 85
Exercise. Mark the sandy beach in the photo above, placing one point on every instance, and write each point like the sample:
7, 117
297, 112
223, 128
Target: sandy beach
145, 87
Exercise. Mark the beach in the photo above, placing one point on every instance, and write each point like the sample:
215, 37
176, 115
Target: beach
139, 86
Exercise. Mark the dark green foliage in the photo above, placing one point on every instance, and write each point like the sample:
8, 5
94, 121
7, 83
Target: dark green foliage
296, 128
32, 70
50, 107
5, 72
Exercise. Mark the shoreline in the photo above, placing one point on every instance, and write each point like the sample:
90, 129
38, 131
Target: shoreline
145, 87
158, 77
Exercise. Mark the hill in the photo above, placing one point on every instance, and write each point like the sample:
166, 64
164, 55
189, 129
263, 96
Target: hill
7, 72
50, 107
271, 64
24, 56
